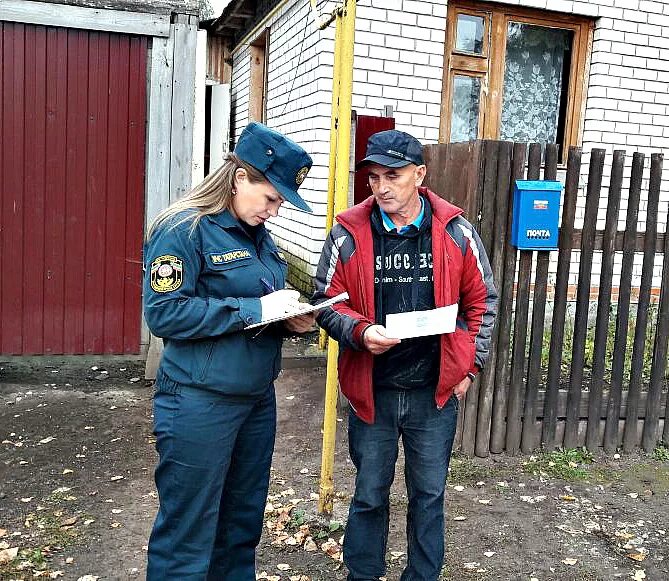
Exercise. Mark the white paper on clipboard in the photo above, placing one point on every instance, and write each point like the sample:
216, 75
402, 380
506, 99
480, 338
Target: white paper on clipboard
422, 323
307, 309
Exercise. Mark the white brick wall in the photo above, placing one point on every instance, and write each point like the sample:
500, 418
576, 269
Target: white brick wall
399, 62
298, 104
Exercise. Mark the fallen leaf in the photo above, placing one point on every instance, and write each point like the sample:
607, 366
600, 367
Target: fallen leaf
114, 478
115, 525
117, 510
283, 567
459, 518
69, 560
310, 545
61, 490
69, 522
55, 574
639, 574
304, 471
47, 440
633, 495
568, 529
67, 471
27, 499
8, 555
636, 556
459, 488
3, 532
489, 553
570, 561
568, 498
484, 501
471, 565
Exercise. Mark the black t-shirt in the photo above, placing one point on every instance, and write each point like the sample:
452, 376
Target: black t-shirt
398, 260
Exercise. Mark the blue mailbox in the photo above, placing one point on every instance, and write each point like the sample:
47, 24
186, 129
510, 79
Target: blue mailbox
536, 212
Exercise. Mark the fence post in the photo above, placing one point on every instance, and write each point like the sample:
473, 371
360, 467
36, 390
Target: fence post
528, 439
631, 432
500, 234
583, 297
651, 421
593, 436
560, 299
518, 360
470, 407
498, 433
622, 316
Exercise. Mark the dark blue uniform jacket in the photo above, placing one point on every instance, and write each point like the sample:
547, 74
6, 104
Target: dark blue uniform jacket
201, 289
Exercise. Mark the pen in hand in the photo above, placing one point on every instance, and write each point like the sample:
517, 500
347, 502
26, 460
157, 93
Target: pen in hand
268, 286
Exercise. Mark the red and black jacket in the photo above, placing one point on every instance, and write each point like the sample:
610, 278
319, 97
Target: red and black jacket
461, 275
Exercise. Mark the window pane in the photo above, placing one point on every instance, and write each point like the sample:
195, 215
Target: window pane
465, 111
536, 79
469, 36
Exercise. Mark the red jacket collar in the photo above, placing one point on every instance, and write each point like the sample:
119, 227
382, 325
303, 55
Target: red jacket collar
359, 214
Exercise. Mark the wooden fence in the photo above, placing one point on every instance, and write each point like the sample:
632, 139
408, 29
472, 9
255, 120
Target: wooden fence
519, 404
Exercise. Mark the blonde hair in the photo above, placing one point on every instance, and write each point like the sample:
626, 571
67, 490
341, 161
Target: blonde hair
212, 195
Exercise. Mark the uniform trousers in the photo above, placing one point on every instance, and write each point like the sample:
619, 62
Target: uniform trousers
212, 480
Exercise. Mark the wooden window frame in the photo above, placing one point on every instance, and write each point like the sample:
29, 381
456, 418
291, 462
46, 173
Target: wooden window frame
259, 48
491, 65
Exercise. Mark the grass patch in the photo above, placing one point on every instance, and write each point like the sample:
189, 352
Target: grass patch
564, 464
661, 454
463, 469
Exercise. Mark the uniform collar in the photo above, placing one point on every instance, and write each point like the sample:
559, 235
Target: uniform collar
390, 226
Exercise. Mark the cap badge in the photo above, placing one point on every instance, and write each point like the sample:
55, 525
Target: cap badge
299, 178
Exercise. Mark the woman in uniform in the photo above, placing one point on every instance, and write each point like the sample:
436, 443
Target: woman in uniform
212, 270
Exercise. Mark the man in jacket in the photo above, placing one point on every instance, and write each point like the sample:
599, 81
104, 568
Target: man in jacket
404, 249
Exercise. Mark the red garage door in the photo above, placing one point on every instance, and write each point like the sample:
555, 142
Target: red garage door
72, 121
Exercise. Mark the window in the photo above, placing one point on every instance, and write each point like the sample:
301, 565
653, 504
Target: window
258, 79
514, 74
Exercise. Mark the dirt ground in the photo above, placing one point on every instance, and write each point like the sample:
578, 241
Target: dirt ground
77, 498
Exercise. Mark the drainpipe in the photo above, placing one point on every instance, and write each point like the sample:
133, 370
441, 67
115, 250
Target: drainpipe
338, 185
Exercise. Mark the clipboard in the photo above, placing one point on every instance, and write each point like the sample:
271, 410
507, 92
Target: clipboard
334, 300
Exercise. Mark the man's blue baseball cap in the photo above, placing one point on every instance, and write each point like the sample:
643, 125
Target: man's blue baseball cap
282, 161
392, 148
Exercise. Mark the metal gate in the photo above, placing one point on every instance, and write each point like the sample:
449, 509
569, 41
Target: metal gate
72, 120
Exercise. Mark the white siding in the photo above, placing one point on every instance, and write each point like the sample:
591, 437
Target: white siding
399, 62
298, 104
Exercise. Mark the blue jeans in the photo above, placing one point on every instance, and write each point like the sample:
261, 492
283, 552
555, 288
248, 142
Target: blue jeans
212, 480
427, 436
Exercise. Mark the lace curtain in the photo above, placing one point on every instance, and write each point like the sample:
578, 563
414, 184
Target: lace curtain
535, 59
465, 116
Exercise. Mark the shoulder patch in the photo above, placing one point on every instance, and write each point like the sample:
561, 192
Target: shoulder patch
229, 256
167, 273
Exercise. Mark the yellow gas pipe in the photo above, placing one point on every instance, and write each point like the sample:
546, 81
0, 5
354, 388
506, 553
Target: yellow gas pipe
338, 185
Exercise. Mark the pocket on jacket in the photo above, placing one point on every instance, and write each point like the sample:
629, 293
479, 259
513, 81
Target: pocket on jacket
460, 351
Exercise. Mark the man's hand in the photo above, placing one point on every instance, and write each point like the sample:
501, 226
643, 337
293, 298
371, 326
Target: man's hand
375, 340
300, 323
460, 390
